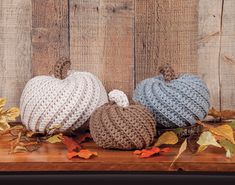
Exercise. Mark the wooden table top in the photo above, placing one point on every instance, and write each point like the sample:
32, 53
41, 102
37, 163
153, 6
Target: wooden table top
52, 157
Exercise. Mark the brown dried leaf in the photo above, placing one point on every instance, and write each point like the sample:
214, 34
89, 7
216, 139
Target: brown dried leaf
225, 114
71, 144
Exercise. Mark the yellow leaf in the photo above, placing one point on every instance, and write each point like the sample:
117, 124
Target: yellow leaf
229, 147
55, 139
206, 139
4, 125
181, 150
2, 102
225, 131
167, 138
12, 113
201, 148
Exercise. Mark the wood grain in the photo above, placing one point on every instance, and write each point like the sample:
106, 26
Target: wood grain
52, 157
101, 41
209, 32
50, 34
15, 44
227, 55
165, 32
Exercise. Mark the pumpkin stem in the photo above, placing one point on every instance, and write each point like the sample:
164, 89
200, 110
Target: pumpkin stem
61, 68
168, 72
118, 97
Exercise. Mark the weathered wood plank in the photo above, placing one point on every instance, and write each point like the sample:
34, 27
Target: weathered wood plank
165, 31
15, 44
209, 19
101, 41
227, 55
50, 34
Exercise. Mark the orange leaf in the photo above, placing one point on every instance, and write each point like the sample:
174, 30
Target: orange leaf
84, 154
165, 150
146, 153
71, 144
137, 152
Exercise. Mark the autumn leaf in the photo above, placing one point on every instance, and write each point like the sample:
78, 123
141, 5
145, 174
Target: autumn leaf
15, 142
71, 144
4, 125
167, 138
229, 147
19, 149
15, 130
228, 154
225, 131
206, 139
225, 114
11, 114
146, 153
2, 102
82, 138
232, 124
55, 139
181, 150
84, 154
201, 148
178, 130
54, 128
166, 150
137, 152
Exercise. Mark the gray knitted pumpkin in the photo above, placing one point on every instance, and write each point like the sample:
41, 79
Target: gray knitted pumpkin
118, 125
174, 101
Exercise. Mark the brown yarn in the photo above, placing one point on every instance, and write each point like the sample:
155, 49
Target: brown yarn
115, 127
61, 68
168, 72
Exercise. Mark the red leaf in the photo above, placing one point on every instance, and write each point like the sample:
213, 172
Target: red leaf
71, 144
84, 137
84, 154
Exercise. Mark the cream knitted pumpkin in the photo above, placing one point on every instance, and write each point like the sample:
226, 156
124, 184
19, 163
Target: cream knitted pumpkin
49, 104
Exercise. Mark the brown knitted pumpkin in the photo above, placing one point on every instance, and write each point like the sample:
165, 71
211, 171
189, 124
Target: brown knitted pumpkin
118, 125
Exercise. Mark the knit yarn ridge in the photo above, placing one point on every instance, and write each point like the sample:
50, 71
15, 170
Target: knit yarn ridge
48, 102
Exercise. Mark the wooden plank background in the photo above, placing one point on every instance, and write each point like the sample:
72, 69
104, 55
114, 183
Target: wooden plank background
121, 41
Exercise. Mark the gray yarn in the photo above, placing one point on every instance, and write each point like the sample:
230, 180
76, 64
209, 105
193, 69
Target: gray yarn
177, 103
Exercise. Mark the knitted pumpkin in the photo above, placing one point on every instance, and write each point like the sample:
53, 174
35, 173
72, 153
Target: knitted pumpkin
49, 104
118, 125
174, 101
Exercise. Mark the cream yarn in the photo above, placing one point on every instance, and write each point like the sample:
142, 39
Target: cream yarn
48, 102
119, 97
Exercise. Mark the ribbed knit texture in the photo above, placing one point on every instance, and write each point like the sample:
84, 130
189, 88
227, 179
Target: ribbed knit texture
176, 103
47, 101
125, 128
